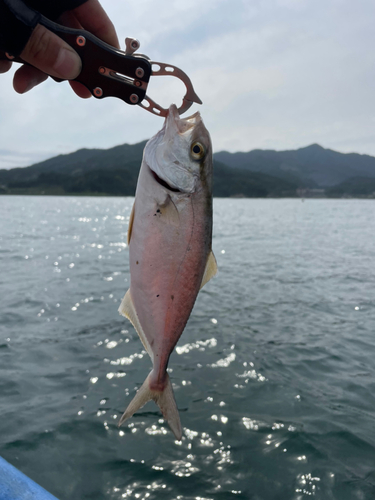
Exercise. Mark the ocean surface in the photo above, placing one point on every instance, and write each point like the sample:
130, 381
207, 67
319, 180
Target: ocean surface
274, 375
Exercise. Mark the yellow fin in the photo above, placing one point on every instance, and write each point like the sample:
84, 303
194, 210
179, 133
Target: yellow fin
127, 309
211, 269
130, 228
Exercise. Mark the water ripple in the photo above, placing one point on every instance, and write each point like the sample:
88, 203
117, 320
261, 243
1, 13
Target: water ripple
273, 376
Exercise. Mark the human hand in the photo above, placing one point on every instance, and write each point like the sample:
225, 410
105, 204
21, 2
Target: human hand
50, 55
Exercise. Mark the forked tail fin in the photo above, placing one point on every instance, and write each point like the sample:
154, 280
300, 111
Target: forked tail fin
165, 400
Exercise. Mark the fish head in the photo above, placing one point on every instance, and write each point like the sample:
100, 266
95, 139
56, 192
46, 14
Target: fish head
181, 153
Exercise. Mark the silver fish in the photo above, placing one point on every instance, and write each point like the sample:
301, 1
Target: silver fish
169, 238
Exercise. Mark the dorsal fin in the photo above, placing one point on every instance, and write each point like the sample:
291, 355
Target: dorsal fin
210, 270
130, 228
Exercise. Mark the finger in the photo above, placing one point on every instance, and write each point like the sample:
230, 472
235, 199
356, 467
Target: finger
49, 53
27, 77
69, 19
93, 18
5, 66
80, 90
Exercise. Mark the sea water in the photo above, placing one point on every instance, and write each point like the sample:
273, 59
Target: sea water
274, 375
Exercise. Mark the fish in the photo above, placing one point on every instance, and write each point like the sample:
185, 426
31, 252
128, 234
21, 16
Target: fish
170, 249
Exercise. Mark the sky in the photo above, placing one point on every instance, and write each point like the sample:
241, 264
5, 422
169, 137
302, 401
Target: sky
272, 74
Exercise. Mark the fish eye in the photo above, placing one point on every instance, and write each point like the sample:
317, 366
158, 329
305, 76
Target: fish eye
198, 151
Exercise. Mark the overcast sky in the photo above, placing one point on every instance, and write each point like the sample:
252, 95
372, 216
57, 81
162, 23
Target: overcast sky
272, 74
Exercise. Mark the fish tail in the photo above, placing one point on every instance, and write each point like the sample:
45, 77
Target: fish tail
164, 399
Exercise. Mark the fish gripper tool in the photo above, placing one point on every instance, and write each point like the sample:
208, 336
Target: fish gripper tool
111, 72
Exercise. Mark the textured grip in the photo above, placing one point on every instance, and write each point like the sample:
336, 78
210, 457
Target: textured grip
106, 71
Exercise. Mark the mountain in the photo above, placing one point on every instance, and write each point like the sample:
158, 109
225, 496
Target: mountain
115, 171
126, 156
258, 173
313, 166
228, 182
354, 187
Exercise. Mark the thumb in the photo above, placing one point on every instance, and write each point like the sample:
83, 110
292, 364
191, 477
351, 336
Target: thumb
49, 53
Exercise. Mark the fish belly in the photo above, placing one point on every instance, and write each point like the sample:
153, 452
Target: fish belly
167, 263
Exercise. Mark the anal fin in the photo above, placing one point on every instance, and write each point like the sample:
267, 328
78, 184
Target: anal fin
127, 309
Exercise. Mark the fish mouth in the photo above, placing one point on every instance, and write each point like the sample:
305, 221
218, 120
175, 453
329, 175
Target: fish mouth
183, 125
162, 182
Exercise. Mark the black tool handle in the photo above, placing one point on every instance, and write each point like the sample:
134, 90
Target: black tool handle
106, 71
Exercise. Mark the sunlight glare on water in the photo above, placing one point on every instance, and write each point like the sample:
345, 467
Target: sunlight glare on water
273, 374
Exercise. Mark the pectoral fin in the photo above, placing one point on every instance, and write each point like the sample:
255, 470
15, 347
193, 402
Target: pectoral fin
211, 269
127, 309
169, 213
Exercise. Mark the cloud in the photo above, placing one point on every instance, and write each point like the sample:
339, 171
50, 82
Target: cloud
272, 74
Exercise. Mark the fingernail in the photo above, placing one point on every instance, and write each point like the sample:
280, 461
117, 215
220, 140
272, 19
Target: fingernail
67, 64
31, 84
